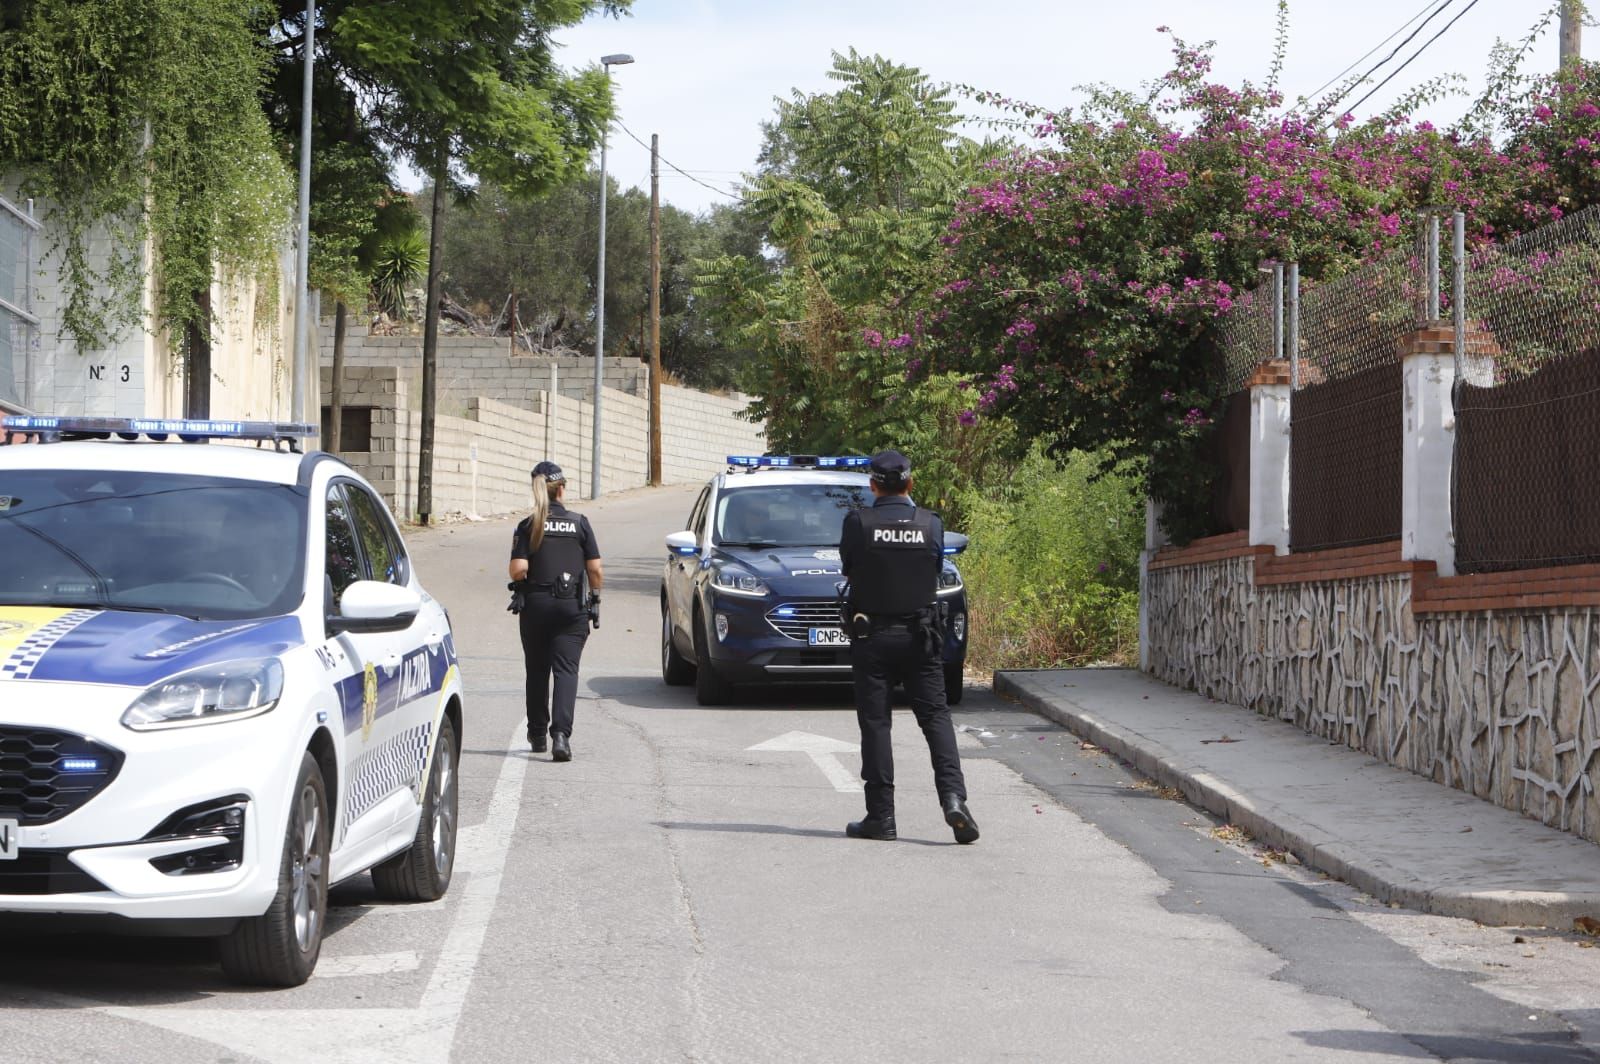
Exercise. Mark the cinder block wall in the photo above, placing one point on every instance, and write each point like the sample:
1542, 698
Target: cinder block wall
470, 366
482, 458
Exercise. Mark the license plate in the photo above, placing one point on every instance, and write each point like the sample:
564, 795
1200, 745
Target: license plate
828, 637
10, 837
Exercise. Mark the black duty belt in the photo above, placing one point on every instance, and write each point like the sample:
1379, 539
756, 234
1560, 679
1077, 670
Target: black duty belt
893, 620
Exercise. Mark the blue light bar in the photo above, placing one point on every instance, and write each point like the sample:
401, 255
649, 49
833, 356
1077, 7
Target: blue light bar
798, 461
80, 764
131, 428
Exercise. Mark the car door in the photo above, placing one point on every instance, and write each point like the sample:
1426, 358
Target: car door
681, 569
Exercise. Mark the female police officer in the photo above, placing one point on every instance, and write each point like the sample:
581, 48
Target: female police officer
551, 552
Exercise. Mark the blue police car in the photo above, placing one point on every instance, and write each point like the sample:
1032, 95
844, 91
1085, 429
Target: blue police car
749, 593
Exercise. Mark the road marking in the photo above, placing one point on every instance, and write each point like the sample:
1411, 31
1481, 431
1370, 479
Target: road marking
368, 964
823, 753
380, 1035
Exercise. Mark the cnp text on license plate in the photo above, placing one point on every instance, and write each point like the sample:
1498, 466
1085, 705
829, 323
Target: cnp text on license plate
828, 637
10, 839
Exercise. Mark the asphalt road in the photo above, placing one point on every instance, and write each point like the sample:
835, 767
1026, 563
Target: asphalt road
678, 893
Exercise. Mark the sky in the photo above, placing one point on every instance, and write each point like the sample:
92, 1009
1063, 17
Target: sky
706, 71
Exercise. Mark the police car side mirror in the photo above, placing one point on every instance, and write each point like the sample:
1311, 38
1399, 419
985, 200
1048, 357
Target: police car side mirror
369, 606
954, 543
683, 543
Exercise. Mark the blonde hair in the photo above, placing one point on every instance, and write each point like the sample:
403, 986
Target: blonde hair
543, 492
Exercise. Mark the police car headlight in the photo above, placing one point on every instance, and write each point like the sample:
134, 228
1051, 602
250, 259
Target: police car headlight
949, 582
230, 691
735, 582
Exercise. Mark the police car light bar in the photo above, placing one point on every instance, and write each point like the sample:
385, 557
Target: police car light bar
131, 428
798, 461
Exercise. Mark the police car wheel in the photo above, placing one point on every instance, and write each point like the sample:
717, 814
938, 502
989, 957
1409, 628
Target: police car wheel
954, 682
421, 872
710, 689
280, 947
676, 670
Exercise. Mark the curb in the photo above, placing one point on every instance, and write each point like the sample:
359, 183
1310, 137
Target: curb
1314, 846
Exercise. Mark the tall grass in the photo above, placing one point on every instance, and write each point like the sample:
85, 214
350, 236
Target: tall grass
1053, 570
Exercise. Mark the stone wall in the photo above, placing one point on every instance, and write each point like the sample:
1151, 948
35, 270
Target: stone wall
1499, 703
482, 457
470, 366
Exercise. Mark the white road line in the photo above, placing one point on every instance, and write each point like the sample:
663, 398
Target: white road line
380, 1035
823, 753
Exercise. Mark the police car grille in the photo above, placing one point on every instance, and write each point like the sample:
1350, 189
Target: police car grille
796, 619
44, 774
45, 872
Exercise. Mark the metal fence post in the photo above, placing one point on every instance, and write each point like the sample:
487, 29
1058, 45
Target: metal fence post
1294, 326
1458, 288
1433, 267
1277, 311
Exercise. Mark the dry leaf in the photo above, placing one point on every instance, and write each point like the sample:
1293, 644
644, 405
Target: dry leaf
1586, 925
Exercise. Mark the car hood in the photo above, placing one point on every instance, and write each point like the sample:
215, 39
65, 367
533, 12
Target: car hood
127, 649
809, 571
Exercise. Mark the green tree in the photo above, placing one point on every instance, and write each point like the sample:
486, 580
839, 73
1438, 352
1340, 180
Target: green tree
466, 92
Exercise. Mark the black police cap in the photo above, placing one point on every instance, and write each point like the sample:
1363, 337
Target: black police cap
890, 467
550, 471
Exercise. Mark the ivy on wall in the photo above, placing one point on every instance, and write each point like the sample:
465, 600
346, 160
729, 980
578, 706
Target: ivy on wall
135, 120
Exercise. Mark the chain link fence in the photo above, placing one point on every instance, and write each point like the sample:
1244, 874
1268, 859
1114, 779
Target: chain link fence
1527, 456
17, 320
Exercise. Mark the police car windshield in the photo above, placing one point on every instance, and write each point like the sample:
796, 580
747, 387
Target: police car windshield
203, 547
785, 515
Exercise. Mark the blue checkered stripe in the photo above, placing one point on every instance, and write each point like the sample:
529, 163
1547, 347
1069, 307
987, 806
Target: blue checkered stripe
21, 663
378, 773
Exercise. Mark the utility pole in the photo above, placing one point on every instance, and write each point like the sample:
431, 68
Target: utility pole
302, 301
655, 313
1571, 32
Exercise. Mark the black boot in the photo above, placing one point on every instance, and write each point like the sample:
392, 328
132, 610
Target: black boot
959, 818
537, 742
559, 749
872, 827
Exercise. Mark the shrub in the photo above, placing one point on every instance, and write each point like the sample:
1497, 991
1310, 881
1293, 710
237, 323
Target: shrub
1053, 570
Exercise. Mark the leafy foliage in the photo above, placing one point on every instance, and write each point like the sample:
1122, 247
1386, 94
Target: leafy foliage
401, 260
142, 118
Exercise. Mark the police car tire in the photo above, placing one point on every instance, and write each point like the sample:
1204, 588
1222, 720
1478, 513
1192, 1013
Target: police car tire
414, 874
710, 689
676, 670
264, 950
954, 682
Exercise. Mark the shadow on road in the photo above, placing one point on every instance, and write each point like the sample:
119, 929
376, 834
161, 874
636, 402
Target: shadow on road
648, 692
779, 829
1534, 1047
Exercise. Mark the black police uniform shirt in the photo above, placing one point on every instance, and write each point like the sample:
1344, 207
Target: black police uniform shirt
892, 553
568, 543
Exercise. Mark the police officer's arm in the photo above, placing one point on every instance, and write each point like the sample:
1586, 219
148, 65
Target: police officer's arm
849, 541
591, 558
938, 548
519, 553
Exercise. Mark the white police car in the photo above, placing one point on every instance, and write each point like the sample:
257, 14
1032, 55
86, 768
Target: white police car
222, 689
748, 593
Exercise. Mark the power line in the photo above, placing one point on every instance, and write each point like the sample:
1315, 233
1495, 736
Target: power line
1397, 49
683, 172
1312, 96
1414, 55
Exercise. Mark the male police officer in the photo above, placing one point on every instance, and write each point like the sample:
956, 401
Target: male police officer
892, 554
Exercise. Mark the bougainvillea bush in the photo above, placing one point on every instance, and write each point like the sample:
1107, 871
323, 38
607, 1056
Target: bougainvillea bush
1084, 282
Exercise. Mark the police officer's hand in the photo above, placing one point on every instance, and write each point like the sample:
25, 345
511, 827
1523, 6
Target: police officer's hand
519, 597
593, 606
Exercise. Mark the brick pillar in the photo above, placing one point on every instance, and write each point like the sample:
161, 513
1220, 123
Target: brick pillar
1428, 357
1269, 455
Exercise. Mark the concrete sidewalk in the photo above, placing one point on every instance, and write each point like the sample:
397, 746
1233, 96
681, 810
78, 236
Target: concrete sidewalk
1391, 833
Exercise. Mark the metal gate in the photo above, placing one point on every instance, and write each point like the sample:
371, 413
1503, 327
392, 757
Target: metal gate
18, 324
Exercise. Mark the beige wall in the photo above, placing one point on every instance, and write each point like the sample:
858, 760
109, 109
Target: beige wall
482, 460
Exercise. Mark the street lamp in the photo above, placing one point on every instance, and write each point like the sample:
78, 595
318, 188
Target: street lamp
606, 61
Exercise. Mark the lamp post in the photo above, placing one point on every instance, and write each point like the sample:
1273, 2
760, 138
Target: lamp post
606, 61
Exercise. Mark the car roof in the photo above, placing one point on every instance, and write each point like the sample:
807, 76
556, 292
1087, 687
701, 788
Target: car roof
216, 459
768, 477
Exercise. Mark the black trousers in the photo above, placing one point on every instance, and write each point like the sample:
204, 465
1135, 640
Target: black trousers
553, 633
888, 656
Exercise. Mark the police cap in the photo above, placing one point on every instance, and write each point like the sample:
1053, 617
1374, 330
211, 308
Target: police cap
890, 468
551, 472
